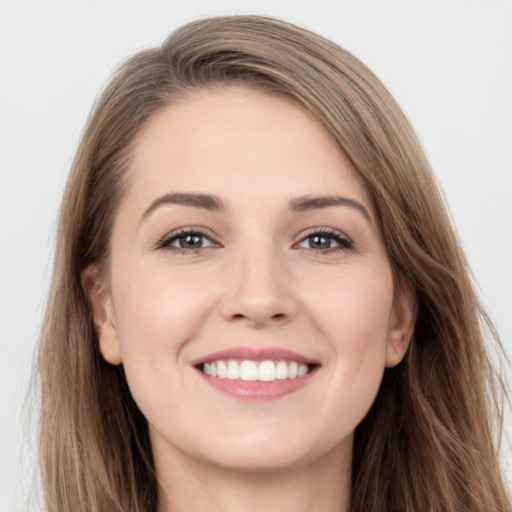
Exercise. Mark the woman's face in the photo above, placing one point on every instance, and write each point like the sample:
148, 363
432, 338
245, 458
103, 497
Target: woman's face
247, 247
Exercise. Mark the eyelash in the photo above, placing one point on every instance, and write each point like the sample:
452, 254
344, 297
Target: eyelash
165, 243
344, 243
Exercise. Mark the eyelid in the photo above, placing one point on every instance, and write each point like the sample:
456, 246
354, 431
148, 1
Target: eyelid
344, 242
165, 242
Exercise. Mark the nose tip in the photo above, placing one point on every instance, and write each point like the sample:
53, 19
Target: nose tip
259, 315
259, 295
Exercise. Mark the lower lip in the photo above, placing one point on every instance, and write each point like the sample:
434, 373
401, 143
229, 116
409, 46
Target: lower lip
257, 390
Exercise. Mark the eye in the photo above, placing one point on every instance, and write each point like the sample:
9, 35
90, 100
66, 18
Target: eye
186, 240
325, 240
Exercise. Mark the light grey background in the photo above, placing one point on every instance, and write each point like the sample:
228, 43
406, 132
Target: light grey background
449, 64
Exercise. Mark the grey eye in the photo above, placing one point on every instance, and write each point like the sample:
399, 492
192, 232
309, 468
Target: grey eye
319, 241
191, 241
324, 241
187, 241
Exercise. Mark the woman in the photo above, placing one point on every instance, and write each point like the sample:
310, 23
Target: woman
258, 300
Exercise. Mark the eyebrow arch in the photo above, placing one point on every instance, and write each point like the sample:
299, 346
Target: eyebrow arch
194, 200
305, 203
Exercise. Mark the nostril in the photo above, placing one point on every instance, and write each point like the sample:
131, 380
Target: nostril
277, 316
257, 308
259, 319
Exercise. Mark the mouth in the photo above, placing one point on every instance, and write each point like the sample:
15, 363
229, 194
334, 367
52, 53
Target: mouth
256, 374
248, 370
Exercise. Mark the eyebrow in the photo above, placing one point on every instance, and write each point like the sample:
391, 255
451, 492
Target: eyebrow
305, 203
203, 201
213, 203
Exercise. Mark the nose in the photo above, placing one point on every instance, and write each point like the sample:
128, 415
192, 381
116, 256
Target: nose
259, 290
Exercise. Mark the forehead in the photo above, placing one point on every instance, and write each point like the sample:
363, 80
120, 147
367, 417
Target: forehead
232, 140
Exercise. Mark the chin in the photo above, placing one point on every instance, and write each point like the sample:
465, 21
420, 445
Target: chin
254, 461
261, 452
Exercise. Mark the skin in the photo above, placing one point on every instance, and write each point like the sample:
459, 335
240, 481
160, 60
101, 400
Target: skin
257, 282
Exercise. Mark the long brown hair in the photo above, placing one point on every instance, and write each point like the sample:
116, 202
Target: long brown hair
428, 442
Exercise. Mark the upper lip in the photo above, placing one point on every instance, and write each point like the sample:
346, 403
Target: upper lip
255, 354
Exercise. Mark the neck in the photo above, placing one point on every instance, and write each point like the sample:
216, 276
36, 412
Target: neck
192, 486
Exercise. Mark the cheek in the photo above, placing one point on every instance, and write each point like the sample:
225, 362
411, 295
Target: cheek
157, 311
353, 316
157, 314
354, 308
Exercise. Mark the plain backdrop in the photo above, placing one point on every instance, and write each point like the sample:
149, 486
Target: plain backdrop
449, 64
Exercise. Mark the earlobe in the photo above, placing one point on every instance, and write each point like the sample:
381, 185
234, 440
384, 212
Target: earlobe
405, 310
103, 316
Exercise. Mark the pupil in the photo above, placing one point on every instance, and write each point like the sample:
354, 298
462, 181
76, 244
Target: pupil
319, 242
191, 242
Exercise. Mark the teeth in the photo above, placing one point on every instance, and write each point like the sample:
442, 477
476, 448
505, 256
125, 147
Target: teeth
281, 370
248, 370
222, 371
303, 369
293, 370
233, 370
265, 371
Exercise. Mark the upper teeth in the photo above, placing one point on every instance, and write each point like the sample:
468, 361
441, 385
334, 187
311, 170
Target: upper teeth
251, 370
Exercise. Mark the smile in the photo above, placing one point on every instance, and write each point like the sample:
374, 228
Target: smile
263, 371
255, 374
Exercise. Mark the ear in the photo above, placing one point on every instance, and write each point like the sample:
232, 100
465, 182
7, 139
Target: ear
403, 319
98, 293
